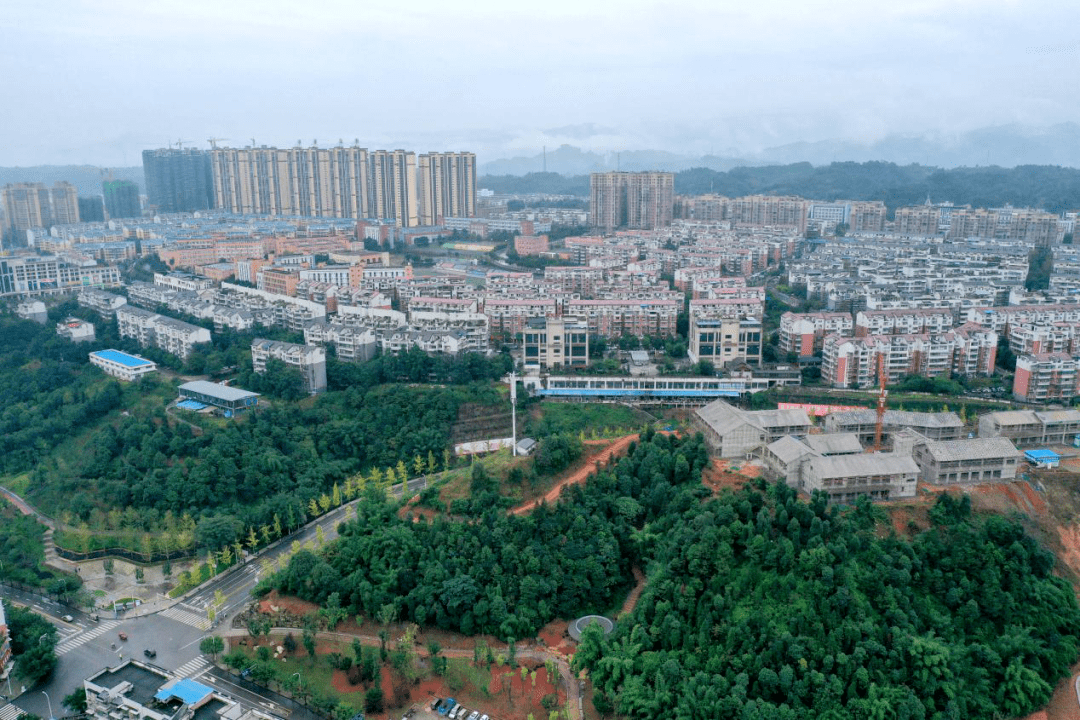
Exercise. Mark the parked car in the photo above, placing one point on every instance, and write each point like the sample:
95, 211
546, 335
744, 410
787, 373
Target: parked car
458, 712
447, 704
150, 653
474, 714
435, 703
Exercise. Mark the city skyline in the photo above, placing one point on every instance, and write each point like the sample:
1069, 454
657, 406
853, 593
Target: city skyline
689, 77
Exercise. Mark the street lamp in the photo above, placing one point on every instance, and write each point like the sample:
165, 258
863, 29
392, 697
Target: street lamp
43, 636
51, 716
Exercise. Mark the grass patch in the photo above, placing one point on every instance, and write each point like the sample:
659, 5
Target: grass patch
460, 672
18, 484
317, 674
574, 418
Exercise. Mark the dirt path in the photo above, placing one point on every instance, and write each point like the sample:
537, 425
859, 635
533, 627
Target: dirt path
632, 598
578, 476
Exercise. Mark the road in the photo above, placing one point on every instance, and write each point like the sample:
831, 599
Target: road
86, 646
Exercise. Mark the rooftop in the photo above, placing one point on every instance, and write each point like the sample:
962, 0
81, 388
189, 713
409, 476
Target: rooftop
188, 691
216, 390
131, 361
144, 681
972, 449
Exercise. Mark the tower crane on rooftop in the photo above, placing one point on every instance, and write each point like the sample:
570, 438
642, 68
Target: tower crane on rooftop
214, 141
180, 144
882, 394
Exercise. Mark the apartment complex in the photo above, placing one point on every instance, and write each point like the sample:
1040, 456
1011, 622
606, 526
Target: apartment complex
857, 362
33, 205
1007, 223
310, 360
345, 182
178, 180
632, 200
150, 329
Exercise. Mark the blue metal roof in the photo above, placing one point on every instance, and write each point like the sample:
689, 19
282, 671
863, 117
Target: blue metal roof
188, 691
1042, 454
121, 357
601, 392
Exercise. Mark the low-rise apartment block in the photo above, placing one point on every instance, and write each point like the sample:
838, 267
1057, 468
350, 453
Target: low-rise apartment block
555, 343
952, 462
310, 360
101, 302
76, 330
725, 340
863, 423
182, 281
150, 329
880, 476
903, 322
122, 365
1046, 377
804, 333
1031, 428
613, 318
857, 362
732, 432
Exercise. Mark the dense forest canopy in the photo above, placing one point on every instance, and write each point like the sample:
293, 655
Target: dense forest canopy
763, 606
1049, 187
147, 465
505, 574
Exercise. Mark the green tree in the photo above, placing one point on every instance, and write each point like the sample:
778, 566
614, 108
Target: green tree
211, 645
373, 699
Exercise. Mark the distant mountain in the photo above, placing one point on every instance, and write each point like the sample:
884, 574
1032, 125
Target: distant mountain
570, 160
1002, 146
85, 177
1050, 187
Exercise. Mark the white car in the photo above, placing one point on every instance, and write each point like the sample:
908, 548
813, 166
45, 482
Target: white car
474, 714
459, 710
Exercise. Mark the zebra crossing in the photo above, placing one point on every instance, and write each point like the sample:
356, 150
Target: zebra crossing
193, 669
10, 712
187, 617
82, 638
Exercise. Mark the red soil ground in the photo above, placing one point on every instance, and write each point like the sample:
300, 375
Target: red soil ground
732, 474
601, 455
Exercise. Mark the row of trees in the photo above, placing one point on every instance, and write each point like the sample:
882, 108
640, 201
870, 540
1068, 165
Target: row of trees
33, 643
506, 575
763, 606
22, 554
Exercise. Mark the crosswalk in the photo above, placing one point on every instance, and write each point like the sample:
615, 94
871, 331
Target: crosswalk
82, 638
187, 617
193, 669
10, 712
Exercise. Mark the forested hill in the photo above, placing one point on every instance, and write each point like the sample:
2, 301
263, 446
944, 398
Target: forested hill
1049, 187
763, 606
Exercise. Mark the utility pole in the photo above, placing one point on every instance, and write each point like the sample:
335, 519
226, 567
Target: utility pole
513, 413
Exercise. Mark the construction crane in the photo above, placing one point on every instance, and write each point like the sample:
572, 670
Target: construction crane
882, 394
214, 141
180, 144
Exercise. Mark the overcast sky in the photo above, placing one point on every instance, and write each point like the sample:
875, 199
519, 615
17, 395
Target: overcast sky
97, 82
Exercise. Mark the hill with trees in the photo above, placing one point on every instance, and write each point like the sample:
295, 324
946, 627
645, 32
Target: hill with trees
763, 606
1050, 187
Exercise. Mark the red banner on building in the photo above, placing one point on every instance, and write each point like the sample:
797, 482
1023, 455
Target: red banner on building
819, 410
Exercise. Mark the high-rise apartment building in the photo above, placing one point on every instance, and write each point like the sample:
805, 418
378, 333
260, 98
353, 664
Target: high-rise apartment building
446, 186
121, 198
91, 209
632, 200
393, 187
30, 205
178, 180
312, 182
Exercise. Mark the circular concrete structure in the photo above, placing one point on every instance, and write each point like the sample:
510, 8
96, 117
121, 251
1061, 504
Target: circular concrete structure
607, 625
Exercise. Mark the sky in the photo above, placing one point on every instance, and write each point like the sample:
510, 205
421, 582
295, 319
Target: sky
98, 82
